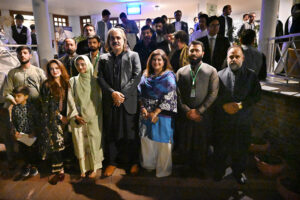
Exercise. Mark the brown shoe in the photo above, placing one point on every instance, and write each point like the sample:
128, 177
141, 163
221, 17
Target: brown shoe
134, 169
109, 170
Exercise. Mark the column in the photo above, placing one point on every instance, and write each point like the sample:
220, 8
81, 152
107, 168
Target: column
268, 19
42, 25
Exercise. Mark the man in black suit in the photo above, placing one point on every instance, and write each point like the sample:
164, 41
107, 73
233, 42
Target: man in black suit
226, 28
119, 74
180, 25
82, 46
19, 32
215, 45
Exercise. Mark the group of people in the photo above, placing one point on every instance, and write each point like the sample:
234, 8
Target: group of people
122, 108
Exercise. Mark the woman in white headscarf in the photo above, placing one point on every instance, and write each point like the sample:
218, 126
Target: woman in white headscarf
86, 117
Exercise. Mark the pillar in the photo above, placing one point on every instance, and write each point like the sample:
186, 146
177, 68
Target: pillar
42, 25
268, 19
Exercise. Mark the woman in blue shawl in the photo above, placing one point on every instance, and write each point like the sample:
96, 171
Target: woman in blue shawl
158, 105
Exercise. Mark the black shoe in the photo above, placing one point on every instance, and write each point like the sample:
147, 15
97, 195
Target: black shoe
34, 171
25, 171
241, 178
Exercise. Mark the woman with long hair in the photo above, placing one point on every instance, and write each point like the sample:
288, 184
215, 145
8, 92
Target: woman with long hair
85, 112
158, 105
54, 94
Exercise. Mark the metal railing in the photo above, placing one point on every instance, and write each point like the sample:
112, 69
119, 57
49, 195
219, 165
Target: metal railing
281, 46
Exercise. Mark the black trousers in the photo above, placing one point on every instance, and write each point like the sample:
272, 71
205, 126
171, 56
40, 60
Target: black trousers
29, 154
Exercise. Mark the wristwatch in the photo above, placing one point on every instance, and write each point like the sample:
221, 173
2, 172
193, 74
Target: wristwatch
240, 105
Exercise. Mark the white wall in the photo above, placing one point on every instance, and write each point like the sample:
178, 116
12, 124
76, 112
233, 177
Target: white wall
74, 22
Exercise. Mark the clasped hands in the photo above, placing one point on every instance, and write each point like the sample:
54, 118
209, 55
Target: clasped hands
150, 115
194, 115
231, 108
118, 98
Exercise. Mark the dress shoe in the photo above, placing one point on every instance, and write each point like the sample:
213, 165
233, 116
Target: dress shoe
109, 170
134, 170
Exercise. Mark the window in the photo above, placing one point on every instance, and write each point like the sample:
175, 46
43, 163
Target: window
114, 21
60, 21
83, 21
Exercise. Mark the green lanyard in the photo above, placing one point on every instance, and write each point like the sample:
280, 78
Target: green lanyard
195, 77
97, 58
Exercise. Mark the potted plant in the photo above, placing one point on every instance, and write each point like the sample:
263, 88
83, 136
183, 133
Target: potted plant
269, 164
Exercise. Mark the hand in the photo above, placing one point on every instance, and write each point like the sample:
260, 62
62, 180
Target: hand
17, 135
194, 115
153, 117
80, 119
64, 120
231, 108
144, 113
118, 98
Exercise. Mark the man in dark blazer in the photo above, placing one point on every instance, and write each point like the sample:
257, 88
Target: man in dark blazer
215, 45
226, 28
104, 26
180, 25
68, 59
118, 75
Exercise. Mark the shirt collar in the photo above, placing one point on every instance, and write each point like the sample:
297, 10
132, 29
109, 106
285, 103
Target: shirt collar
209, 37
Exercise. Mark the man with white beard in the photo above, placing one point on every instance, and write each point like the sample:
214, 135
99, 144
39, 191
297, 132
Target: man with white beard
239, 90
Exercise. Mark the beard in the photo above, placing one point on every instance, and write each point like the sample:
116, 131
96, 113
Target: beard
234, 66
24, 62
93, 49
195, 60
70, 52
158, 31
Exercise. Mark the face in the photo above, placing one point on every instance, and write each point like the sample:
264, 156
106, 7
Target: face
195, 19
93, 44
213, 28
19, 22
195, 53
157, 63
55, 71
178, 16
124, 19
70, 46
169, 38
159, 28
246, 18
21, 98
24, 56
228, 10
252, 17
149, 23
81, 66
105, 18
202, 23
89, 31
147, 34
235, 58
116, 40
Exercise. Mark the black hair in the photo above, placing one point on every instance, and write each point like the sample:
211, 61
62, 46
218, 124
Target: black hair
158, 20
146, 27
197, 42
21, 89
105, 12
123, 15
211, 19
182, 36
177, 11
20, 48
95, 37
19, 16
202, 15
226, 7
168, 28
32, 27
247, 36
244, 15
88, 24
148, 19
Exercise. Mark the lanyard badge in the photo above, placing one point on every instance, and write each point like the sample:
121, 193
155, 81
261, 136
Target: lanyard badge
194, 77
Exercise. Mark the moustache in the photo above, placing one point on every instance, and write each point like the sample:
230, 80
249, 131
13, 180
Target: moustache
115, 43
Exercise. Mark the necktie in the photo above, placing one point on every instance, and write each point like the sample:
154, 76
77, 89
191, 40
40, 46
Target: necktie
211, 47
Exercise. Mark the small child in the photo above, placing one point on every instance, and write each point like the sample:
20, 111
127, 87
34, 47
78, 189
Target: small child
24, 122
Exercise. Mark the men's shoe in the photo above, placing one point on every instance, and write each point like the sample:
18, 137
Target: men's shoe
241, 178
25, 171
34, 171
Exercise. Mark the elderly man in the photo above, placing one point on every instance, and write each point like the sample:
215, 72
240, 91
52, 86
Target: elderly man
68, 59
239, 91
119, 74
197, 89
83, 47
